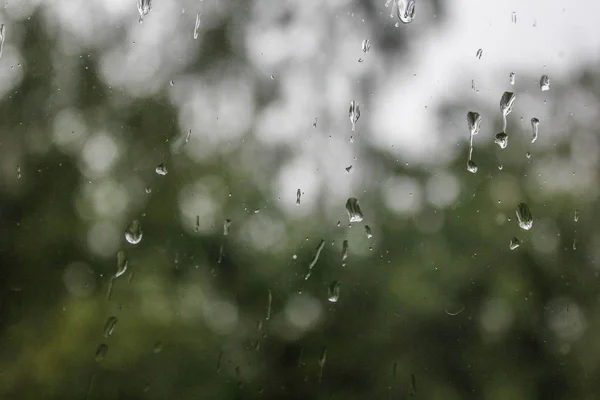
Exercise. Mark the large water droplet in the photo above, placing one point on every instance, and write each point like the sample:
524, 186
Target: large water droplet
109, 327
134, 233
354, 113
144, 7
122, 263
345, 249
501, 140
524, 216
473, 122
511, 78
406, 10
197, 26
514, 243
535, 124
333, 291
101, 352
544, 83
353, 209
366, 45
161, 169
506, 103
471, 166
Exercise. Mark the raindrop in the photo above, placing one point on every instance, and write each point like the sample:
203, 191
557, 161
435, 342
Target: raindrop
514, 243
134, 233
500, 167
109, 327
298, 194
348, 169
535, 124
366, 45
148, 189
574, 244
544, 83
405, 10
576, 215
101, 352
344, 252
368, 232
144, 7
315, 258
197, 26
161, 169
524, 216
501, 140
315, 123
226, 226
528, 154
333, 291
479, 54
18, 172
172, 83
122, 264
353, 209
511, 78
506, 104
455, 311
471, 166
354, 113
2, 37
473, 122
322, 360
197, 223
269, 302
514, 17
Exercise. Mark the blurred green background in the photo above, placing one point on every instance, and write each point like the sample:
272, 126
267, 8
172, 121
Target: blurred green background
433, 306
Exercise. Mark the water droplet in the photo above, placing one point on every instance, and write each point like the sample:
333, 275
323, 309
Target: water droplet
322, 360
161, 169
501, 140
158, 347
473, 122
122, 264
574, 244
172, 83
524, 216
405, 10
471, 166
18, 172
576, 215
197, 26
298, 194
511, 78
2, 37
514, 243
506, 103
348, 169
109, 327
197, 223
500, 167
514, 17
535, 124
353, 209
315, 258
354, 113
148, 189
226, 226
315, 123
544, 83
333, 291
269, 302
144, 7
479, 54
528, 154
101, 352
366, 45
344, 252
134, 233
368, 232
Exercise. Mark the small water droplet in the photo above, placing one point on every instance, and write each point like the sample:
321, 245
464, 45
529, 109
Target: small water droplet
2, 37
161, 169
269, 302
148, 189
158, 347
366, 45
360, 59
405, 10
348, 169
122, 264
473, 122
514, 243
535, 124
144, 7
544, 83
295, 257
333, 292
197, 223
500, 167
226, 226
197, 26
101, 352
514, 17
134, 233
354, 113
501, 140
315, 123
315, 258
298, 195
471, 166
524, 216
512, 78
109, 327
479, 54
18, 172
345, 249
528, 154
576, 215
574, 244
172, 83
353, 209
368, 232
